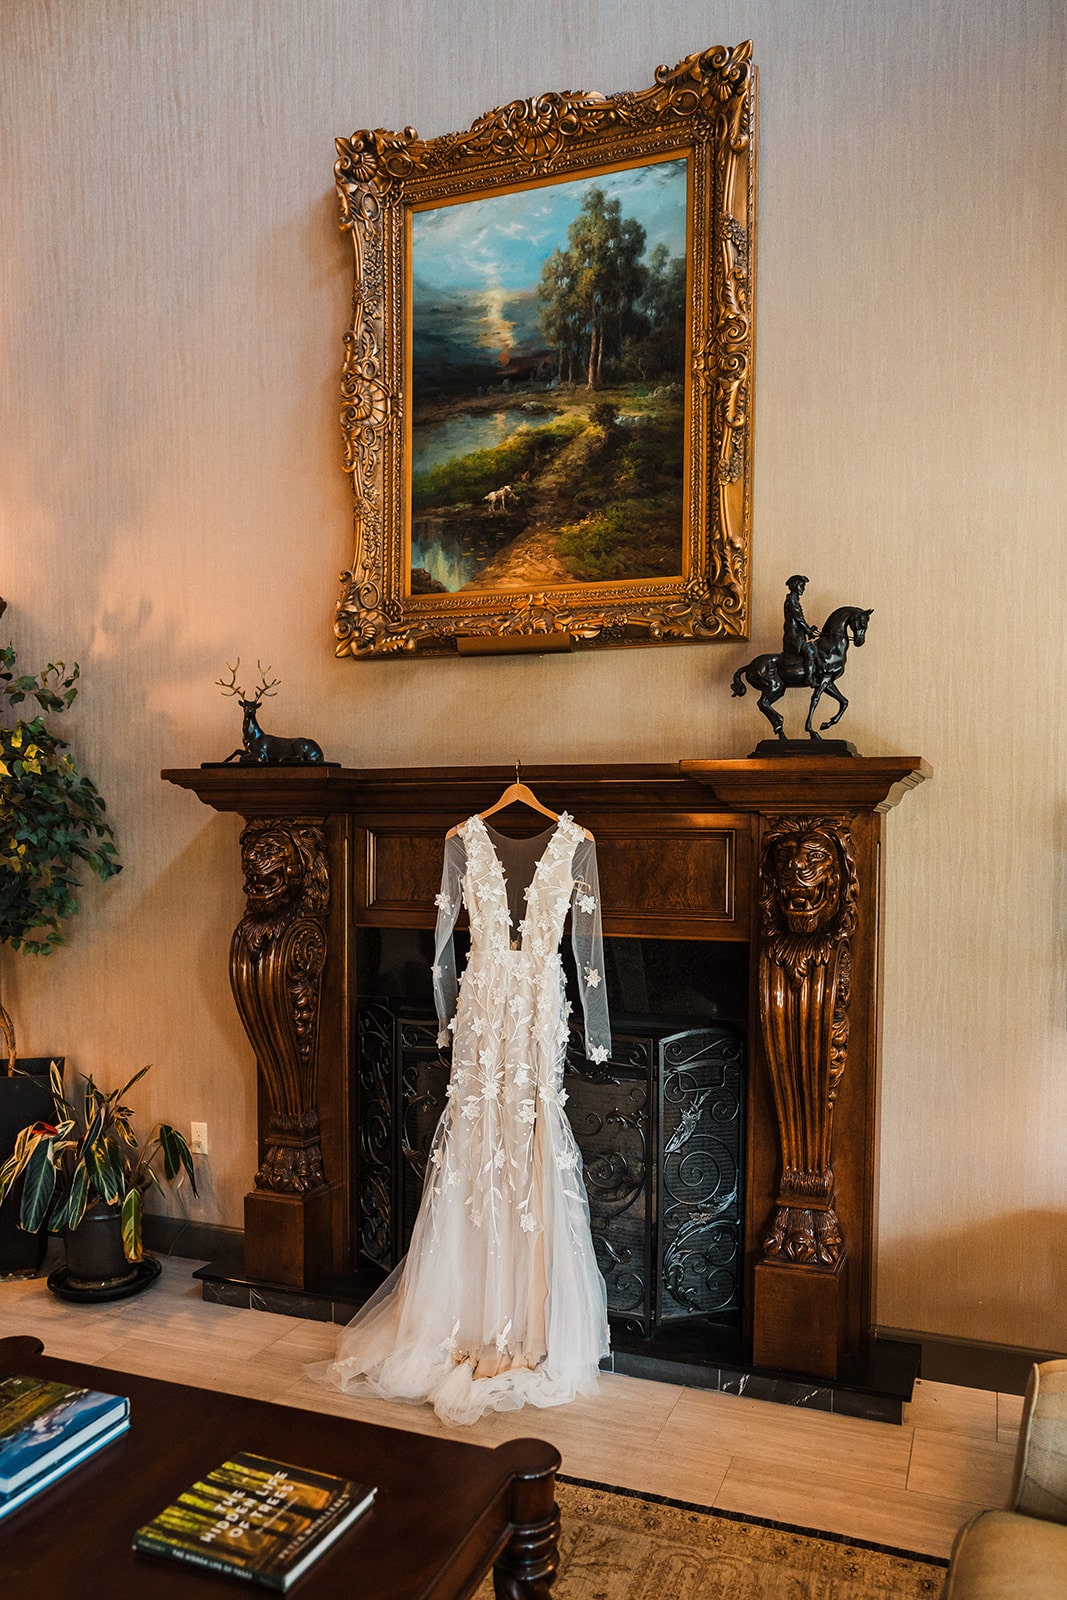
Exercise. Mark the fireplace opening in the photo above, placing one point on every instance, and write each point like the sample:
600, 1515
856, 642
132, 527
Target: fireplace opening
660, 1125
696, 978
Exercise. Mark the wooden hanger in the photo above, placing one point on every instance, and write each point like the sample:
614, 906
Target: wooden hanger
517, 793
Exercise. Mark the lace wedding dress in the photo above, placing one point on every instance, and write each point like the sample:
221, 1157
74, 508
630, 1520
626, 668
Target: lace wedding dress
499, 1302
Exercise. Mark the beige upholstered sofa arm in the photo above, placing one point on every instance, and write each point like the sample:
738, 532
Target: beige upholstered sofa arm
1040, 1485
1000, 1555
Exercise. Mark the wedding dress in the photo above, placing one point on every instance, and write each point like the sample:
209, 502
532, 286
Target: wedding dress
499, 1302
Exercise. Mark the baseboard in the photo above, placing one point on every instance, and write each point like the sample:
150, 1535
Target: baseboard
971, 1363
199, 1241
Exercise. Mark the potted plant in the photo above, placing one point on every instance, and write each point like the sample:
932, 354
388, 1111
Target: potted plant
84, 1174
52, 819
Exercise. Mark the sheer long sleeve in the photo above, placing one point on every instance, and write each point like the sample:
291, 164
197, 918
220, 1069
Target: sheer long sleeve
449, 903
587, 942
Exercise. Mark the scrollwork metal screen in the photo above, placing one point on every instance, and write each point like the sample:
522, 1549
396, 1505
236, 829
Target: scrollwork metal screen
660, 1128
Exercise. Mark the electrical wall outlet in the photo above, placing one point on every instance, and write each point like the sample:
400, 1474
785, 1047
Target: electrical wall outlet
198, 1138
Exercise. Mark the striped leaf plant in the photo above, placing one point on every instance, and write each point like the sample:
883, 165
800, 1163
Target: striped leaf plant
91, 1156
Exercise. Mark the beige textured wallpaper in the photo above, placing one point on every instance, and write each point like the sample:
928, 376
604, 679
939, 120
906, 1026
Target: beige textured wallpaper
174, 291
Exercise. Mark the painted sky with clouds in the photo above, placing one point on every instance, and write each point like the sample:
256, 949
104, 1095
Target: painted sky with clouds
502, 242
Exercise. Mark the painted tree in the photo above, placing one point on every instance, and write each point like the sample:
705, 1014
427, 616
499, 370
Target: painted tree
658, 346
561, 313
663, 297
590, 290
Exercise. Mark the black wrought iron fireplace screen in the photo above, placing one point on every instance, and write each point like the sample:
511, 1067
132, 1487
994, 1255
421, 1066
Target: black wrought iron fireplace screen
659, 1125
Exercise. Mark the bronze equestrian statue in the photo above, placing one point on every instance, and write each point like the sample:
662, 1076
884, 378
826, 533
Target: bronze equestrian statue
811, 658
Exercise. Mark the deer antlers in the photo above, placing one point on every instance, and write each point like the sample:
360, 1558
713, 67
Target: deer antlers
233, 687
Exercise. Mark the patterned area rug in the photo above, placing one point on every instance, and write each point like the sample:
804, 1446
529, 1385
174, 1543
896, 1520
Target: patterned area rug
616, 1545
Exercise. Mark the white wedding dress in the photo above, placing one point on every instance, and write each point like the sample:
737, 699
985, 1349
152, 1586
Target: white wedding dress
499, 1302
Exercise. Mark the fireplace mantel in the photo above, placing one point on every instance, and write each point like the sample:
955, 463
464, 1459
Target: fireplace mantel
780, 854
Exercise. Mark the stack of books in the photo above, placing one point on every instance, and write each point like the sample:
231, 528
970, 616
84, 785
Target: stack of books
46, 1429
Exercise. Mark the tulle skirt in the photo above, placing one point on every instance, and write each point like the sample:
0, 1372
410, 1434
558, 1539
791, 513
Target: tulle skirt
493, 1307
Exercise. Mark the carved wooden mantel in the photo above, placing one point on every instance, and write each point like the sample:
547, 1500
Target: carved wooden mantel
782, 854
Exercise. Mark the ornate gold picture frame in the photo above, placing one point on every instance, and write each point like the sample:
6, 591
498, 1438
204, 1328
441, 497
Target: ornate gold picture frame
547, 386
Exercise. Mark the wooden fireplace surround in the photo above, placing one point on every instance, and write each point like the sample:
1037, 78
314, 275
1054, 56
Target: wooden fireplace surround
783, 854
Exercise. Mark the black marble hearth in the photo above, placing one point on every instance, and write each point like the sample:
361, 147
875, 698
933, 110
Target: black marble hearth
699, 1354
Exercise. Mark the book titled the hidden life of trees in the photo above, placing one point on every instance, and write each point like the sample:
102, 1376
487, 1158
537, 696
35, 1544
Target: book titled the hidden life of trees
256, 1518
46, 1428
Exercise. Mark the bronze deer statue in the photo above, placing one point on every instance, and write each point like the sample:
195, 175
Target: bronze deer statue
259, 748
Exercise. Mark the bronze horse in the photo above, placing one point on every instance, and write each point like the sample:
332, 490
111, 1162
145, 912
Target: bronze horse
772, 675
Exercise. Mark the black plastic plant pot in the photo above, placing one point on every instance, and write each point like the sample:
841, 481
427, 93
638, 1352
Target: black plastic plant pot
23, 1100
95, 1257
96, 1269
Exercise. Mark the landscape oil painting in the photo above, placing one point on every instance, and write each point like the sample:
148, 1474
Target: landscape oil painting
547, 386
547, 394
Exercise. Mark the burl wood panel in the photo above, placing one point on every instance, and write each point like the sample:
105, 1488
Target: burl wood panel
659, 877
681, 881
398, 874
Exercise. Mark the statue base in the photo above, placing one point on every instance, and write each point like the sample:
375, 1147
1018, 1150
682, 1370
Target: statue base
208, 766
770, 749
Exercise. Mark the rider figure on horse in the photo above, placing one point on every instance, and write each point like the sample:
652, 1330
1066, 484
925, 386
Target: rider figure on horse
811, 657
797, 634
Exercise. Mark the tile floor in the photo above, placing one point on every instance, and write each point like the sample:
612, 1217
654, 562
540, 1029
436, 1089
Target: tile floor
909, 1486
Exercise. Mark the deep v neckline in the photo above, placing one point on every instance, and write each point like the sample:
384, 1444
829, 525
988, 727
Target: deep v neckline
549, 836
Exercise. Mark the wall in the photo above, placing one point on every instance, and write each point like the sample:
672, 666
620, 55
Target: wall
174, 295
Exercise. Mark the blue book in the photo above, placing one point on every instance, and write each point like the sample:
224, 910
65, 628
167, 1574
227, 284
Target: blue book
48, 1475
43, 1422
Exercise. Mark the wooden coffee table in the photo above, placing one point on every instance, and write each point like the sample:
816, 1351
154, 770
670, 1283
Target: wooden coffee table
445, 1513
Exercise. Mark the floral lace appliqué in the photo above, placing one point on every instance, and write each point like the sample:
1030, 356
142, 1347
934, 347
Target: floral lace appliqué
511, 1033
